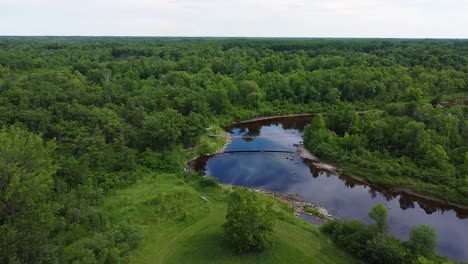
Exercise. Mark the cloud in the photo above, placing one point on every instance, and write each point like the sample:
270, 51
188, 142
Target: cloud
312, 18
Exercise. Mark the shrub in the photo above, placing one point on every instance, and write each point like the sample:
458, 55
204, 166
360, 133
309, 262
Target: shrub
385, 249
208, 181
423, 241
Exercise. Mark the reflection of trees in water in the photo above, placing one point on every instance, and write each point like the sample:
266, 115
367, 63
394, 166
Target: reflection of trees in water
287, 123
406, 202
254, 131
462, 215
242, 130
199, 164
389, 195
372, 193
296, 123
349, 184
250, 133
313, 170
428, 208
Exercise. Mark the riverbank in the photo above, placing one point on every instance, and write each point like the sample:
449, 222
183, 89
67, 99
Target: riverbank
300, 205
346, 172
267, 118
392, 187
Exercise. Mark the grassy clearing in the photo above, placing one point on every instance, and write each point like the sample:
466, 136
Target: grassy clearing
161, 206
181, 223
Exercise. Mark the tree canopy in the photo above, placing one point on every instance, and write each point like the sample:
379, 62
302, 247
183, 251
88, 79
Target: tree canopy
250, 222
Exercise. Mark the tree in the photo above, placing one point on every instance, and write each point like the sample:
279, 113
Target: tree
163, 129
249, 223
318, 123
423, 241
379, 215
26, 179
218, 100
333, 96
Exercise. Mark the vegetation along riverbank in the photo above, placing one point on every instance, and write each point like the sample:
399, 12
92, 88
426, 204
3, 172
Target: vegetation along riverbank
95, 133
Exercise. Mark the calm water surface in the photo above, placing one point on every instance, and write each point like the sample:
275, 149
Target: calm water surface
289, 173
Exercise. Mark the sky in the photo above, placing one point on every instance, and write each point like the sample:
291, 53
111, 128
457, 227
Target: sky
239, 18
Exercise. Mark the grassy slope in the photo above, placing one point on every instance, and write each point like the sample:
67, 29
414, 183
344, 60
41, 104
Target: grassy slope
179, 226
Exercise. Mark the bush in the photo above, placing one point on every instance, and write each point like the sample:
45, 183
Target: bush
350, 235
250, 221
423, 241
385, 249
208, 181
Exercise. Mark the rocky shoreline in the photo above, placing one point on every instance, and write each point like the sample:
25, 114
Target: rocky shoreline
299, 204
228, 141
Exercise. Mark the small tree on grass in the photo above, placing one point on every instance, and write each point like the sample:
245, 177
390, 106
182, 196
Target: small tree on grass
249, 223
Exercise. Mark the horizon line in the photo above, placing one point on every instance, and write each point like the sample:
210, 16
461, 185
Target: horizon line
232, 37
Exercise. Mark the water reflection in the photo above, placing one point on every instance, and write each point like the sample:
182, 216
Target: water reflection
342, 196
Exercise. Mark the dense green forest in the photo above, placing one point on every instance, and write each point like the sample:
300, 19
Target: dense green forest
82, 118
413, 145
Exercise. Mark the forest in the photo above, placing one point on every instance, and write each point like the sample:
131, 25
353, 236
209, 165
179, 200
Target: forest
82, 118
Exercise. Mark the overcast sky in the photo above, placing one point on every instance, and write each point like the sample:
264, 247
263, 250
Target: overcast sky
251, 18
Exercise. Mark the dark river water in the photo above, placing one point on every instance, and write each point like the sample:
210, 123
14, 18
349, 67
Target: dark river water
289, 173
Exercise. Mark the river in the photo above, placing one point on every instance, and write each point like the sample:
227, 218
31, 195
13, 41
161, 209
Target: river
287, 172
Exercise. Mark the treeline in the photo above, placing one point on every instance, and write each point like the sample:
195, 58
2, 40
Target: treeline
85, 116
413, 142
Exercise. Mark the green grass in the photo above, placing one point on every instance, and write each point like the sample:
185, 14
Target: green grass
313, 211
292, 243
207, 144
179, 226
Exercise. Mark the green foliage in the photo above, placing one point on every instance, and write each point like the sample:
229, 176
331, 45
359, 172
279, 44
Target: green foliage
117, 107
351, 235
27, 207
163, 129
250, 222
375, 245
318, 123
313, 211
109, 247
379, 215
421, 145
385, 249
207, 181
423, 241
